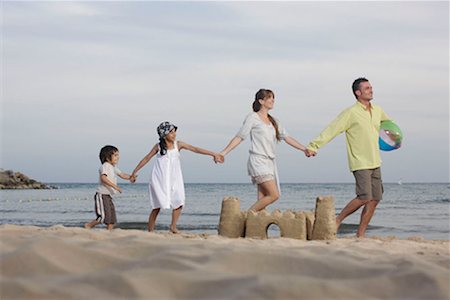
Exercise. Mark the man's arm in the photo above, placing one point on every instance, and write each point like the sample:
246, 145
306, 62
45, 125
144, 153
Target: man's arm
337, 126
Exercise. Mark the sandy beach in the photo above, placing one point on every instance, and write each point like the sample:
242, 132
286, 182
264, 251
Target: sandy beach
74, 263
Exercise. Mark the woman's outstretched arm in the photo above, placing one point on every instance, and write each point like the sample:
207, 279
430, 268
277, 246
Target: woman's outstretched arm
231, 145
296, 144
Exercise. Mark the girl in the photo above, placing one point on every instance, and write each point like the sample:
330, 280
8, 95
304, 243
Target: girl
265, 131
166, 185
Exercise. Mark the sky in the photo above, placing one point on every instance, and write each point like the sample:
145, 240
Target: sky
76, 76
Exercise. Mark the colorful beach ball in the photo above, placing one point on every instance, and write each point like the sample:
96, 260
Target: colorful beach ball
391, 136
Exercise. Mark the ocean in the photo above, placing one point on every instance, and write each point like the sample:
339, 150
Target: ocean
407, 210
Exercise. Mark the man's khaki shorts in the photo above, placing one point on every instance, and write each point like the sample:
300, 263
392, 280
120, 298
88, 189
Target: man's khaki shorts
368, 184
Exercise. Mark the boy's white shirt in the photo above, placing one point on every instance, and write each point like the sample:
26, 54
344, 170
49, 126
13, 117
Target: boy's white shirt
110, 171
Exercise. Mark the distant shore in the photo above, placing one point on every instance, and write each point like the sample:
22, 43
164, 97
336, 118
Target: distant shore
60, 262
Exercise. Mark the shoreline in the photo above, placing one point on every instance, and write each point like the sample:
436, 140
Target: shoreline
347, 231
70, 262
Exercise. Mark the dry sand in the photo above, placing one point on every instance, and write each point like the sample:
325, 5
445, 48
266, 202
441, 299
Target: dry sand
75, 263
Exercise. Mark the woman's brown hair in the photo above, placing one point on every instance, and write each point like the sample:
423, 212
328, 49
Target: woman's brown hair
262, 94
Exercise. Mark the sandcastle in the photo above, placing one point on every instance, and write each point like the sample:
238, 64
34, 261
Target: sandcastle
310, 225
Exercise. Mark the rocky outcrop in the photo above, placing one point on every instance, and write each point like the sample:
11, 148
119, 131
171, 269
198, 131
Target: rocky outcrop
16, 180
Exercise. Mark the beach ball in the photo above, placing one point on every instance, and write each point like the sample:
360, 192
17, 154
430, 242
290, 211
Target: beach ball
391, 136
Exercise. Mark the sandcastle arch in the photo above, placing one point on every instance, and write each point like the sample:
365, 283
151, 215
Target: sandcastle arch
312, 225
275, 227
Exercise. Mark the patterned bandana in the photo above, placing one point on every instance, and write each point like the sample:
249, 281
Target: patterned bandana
164, 128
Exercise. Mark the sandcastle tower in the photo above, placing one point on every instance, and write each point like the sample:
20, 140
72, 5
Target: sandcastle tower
312, 225
324, 227
232, 220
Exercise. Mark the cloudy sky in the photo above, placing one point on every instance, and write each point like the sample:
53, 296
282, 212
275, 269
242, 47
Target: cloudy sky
79, 75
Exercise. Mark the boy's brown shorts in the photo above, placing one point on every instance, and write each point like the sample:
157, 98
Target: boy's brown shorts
368, 184
104, 208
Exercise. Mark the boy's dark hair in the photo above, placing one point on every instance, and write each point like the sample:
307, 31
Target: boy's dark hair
106, 153
355, 85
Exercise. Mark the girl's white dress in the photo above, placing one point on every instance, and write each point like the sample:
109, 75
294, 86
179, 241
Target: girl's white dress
166, 185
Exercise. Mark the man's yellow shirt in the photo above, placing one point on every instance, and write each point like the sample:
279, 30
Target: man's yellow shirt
361, 126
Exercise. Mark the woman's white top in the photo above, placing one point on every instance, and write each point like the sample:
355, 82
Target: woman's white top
263, 142
166, 185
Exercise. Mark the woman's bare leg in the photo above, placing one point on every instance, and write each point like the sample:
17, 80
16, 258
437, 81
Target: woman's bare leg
270, 194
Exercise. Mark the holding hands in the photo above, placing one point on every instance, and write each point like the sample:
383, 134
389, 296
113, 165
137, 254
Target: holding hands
219, 158
309, 153
133, 178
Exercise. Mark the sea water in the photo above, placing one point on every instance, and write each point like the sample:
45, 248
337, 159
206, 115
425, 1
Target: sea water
409, 209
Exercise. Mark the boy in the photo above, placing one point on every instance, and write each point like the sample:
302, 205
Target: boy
104, 206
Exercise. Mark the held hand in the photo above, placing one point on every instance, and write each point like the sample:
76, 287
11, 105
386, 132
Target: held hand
133, 177
119, 189
219, 158
309, 153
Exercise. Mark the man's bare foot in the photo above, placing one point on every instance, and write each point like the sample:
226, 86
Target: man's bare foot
174, 230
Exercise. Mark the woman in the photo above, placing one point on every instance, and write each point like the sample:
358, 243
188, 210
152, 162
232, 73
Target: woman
265, 131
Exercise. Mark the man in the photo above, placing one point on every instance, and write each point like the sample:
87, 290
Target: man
361, 123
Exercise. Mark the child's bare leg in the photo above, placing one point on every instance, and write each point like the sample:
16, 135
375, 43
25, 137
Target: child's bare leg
152, 219
175, 216
91, 224
110, 226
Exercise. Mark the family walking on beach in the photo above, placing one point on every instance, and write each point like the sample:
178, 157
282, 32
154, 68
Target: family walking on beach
360, 122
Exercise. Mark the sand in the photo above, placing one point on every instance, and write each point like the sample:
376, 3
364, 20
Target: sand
75, 263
